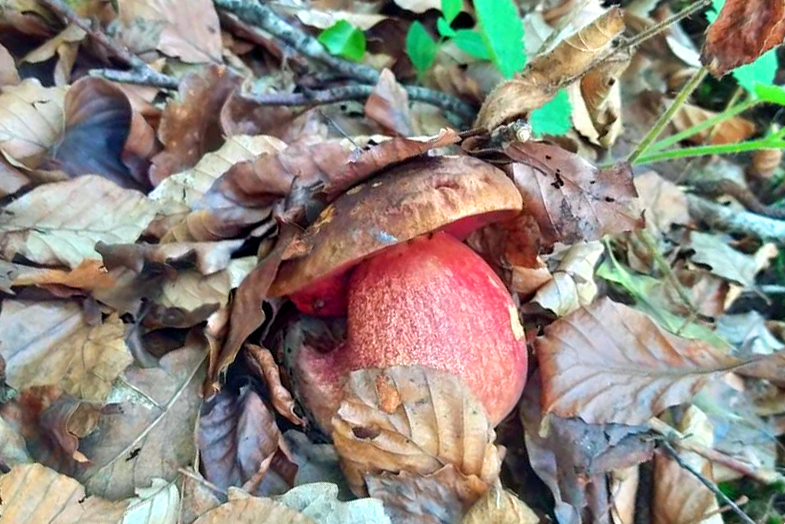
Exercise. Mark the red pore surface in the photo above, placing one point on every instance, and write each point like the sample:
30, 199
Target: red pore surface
431, 302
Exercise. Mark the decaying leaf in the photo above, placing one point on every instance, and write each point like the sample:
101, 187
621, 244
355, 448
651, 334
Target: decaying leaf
12, 179
244, 509
191, 290
238, 441
66, 45
60, 223
13, 450
742, 32
9, 76
571, 199
389, 105
89, 275
419, 430
499, 506
663, 203
609, 363
147, 430
34, 493
320, 502
189, 31
206, 257
600, 95
189, 125
573, 284
51, 344
31, 120
264, 363
678, 495
726, 262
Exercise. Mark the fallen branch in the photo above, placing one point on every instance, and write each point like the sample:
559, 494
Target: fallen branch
706, 482
144, 77
139, 66
744, 222
263, 16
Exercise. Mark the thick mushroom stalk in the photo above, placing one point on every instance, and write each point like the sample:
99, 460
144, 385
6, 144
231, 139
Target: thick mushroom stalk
430, 302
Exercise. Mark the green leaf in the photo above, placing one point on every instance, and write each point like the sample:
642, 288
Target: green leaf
472, 43
502, 29
444, 28
451, 9
553, 118
420, 47
343, 39
770, 93
761, 71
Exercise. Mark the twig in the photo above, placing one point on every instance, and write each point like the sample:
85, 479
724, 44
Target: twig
744, 222
658, 127
719, 511
665, 24
144, 77
325, 96
676, 438
204, 482
706, 482
263, 16
136, 63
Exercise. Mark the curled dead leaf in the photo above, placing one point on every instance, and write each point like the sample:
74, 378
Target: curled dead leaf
437, 443
266, 367
89, 275
389, 105
206, 257
499, 506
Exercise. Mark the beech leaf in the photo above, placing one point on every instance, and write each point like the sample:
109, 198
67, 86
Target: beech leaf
609, 363
243, 509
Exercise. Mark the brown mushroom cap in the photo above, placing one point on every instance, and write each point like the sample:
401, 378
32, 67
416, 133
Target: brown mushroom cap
457, 194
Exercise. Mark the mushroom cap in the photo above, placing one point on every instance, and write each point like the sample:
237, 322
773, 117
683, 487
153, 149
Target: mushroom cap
455, 194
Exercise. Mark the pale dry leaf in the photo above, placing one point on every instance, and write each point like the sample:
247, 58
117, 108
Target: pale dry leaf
729, 131
664, 204
206, 257
188, 30
419, 6
320, 501
9, 76
13, 450
437, 443
188, 186
623, 489
733, 265
36, 494
12, 179
89, 275
600, 91
678, 496
253, 510
197, 498
51, 344
499, 506
749, 332
60, 223
65, 38
238, 438
573, 283
158, 504
149, 432
191, 290
610, 363
322, 19
264, 363
389, 105
571, 199
31, 121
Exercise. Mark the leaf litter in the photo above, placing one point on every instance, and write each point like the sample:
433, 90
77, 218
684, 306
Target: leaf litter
161, 162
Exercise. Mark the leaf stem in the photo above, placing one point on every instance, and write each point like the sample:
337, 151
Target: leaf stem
689, 152
706, 124
658, 127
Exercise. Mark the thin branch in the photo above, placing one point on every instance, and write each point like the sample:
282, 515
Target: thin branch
263, 16
326, 96
706, 482
727, 219
658, 127
665, 24
144, 77
136, 63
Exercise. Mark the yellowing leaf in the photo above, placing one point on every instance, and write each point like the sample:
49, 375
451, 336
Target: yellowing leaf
60, 223
51, 344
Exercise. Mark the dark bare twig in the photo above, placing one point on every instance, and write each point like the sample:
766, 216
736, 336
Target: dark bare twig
325, 96
728, 219
263, 16
706, 482
141, 67
144, 77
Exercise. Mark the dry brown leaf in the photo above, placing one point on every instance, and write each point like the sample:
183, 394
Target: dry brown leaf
65, 45
265, 366
571, 199
31, 120
51, 344
437, 436
189, 290
9, 76
206, 257
389, 105
34, 493
238, 440
253, 510
189, 31
60, 223
197, 498
572, 285
600, 93
190, 125
499, 506
729, 131
623, 490
546, 73
728, 263
147, 430
742, 32
609, 363
664, 204
12, 179
678, 496
88, 275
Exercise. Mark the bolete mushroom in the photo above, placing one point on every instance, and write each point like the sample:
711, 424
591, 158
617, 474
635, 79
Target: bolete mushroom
388, 255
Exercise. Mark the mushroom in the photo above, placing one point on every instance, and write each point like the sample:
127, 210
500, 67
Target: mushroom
388, 255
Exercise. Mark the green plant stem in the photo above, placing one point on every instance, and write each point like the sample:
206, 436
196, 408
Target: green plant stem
706, 124
688, 152
658, 127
